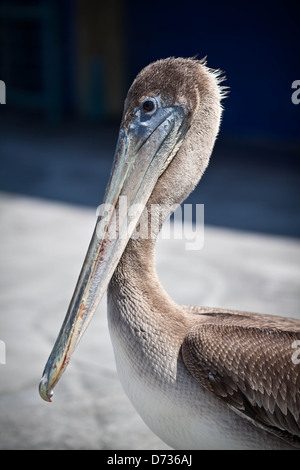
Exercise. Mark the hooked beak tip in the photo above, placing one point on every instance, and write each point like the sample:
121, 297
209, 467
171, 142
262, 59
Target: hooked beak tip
43, 389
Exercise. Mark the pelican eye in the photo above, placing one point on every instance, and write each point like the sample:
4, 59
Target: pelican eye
149, 105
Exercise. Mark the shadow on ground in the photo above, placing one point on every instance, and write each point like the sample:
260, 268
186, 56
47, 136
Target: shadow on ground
249, 185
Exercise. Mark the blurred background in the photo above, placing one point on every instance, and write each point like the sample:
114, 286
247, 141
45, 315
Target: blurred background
67, 66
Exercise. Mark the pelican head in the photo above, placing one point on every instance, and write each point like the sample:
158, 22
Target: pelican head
172, 108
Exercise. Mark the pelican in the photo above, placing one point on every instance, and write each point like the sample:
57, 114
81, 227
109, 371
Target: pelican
200, 377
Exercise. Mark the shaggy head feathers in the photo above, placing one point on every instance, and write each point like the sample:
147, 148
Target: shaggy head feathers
177, 80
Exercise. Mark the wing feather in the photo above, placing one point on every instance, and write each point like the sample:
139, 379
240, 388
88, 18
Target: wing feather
250, 368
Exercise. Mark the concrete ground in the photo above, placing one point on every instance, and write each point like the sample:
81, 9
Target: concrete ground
42, 248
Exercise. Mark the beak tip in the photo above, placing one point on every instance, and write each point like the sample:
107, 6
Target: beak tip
45, 393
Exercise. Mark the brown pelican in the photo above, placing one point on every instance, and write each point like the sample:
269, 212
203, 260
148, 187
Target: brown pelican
199, 377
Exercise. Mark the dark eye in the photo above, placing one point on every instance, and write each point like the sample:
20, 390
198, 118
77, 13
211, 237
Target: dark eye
148, 105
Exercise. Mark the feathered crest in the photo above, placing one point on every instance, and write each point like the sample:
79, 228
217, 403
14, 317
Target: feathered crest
218, 74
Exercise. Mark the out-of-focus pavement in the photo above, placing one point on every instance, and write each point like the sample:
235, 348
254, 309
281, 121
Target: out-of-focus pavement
42, 247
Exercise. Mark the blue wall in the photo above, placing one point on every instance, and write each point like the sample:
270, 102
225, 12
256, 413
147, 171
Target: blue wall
255, 43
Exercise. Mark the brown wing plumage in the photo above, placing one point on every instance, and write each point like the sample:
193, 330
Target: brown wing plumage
251, 367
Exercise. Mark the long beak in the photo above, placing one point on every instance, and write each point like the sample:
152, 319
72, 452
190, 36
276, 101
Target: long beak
143, 152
